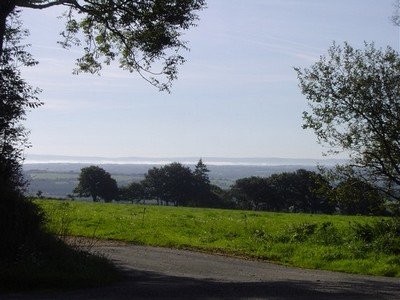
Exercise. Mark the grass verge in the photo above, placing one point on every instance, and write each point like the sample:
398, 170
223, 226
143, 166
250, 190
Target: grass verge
31, 258
56, 265
354, 244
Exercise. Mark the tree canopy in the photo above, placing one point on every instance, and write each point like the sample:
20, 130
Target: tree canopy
96, 182
134, 192
354, 101
170, 183
137, 33
16, 96
353, 196
300, 191
178, 184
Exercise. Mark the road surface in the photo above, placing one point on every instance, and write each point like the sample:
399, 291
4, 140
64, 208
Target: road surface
160, 273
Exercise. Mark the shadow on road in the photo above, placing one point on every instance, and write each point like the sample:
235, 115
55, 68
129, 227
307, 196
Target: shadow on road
140, 284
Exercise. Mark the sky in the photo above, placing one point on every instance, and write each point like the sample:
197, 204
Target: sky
236, 96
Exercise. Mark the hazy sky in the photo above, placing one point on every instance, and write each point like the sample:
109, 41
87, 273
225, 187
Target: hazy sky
236, 96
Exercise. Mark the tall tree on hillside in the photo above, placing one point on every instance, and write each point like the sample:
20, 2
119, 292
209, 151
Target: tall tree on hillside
354, 101
138, 34
170, 183
20, 220
301, 191
96, 182
134, 192
253, 193
202, 185
16, 97
201, 172
153, 184
353, 196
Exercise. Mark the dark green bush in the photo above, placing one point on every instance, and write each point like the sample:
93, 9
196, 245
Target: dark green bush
382, 235
327, 234
301, 232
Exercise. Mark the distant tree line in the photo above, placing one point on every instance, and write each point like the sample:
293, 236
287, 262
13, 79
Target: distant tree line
178, 185
308, 192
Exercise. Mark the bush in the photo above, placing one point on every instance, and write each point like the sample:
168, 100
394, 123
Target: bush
327, 234
382, 235
301, 232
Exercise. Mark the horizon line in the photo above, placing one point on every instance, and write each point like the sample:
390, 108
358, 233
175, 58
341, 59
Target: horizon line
180, 157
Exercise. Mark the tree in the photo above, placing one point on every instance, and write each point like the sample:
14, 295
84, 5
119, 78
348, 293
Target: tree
132, 192
137, 33
96, 182
301, 191
354, 101
16, 96
251, 192
20, 220
173, 182
396, 14
354, 196
202, 186
220, 198
201, 172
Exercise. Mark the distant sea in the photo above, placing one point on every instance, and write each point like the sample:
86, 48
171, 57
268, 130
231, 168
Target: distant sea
213, 161
57, 176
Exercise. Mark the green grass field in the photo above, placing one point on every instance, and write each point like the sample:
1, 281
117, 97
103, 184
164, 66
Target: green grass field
354, 244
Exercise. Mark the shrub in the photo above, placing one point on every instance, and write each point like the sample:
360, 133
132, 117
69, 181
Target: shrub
382, 235
301, 232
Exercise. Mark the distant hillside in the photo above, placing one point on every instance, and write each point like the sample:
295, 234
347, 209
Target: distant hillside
56, 175
59, 179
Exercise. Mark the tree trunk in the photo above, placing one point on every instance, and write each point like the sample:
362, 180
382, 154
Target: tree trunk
5, 9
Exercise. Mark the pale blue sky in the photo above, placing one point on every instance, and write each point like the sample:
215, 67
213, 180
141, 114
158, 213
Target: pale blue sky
236, 96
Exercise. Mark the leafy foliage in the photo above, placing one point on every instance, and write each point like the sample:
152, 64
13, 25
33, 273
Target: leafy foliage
252, 192
20, 220
382, 235
177, 184
96, 182
354, 196
134, 192
140, 35
354, 100
300, 191
170, 183
16, 96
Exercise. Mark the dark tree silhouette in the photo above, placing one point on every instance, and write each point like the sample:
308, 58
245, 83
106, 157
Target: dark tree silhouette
96, 182
16, 96
20, 220
300, 191
354, 196
202, 188
134, 192
252, 193
170, 183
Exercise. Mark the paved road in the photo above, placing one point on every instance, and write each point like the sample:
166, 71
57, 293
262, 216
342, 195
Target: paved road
177, 274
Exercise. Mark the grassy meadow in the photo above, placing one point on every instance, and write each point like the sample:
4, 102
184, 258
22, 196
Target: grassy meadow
354, 244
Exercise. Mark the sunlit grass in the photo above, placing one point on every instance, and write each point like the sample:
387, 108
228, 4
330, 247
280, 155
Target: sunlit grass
303, 240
